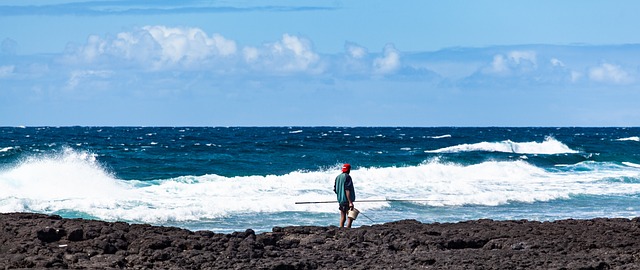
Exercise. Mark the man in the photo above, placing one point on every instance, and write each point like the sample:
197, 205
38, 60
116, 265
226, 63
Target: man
343, 187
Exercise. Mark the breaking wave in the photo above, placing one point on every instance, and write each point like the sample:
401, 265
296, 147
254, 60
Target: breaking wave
75, 181
549, 146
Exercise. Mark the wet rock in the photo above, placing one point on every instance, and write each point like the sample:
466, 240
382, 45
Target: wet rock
50, 234
76, 234
40, 241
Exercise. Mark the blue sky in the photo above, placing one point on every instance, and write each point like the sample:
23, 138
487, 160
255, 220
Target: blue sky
310, 63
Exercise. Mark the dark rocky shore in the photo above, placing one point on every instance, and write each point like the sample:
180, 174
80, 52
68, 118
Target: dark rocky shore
37, 241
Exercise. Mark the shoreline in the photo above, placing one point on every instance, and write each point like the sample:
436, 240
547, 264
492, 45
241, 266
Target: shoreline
37, 240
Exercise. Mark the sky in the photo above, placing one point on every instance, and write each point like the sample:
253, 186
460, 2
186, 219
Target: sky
319, 63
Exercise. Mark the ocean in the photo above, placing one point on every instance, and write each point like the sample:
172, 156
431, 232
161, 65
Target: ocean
227, 179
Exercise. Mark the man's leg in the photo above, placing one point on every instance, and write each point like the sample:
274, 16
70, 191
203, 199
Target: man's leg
343, 217
349, 223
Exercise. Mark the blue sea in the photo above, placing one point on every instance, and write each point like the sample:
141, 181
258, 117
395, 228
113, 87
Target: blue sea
229, 179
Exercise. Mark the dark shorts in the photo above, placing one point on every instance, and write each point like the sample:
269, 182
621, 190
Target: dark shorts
344, 207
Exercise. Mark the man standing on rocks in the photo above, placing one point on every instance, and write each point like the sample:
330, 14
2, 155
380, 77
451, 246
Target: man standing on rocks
343, 187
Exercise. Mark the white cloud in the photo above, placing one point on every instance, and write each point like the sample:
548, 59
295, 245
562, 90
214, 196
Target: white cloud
513, 61
77, 76
162, 48
303, 55
389, 62
355, 51
556, 63
609, 73
250, 54
499, 64
190, 44
157, 46
290, 54
522, 57
6, 71
138, 46
93, 49
354, 63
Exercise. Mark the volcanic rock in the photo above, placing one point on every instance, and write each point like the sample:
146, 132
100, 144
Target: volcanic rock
30, 240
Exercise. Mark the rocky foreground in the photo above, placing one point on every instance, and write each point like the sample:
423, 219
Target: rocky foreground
34, 240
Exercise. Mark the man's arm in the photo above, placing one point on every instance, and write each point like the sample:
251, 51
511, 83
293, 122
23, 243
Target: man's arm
348, 185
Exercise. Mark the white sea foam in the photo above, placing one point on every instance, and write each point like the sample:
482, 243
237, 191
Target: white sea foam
630, 164
75, 181
549, 146
66, 181
6, 149
441, 136
634, 138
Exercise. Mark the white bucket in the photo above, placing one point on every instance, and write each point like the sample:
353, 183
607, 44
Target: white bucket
353, 213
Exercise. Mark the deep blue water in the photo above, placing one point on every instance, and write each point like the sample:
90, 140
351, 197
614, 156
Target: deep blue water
233, 178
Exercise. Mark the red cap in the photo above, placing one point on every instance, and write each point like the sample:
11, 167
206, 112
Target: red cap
346, 167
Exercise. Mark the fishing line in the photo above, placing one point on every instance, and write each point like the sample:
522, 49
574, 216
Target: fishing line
367, 217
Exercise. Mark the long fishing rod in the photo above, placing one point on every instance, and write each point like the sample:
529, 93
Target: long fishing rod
385, 200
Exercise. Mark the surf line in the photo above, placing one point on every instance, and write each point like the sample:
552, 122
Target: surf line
385, 200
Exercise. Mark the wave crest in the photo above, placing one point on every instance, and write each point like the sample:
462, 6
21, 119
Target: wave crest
634, 138
74, 181
549, 146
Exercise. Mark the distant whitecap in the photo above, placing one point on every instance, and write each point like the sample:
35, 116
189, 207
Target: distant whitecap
634, 138
441, 136
549, 146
